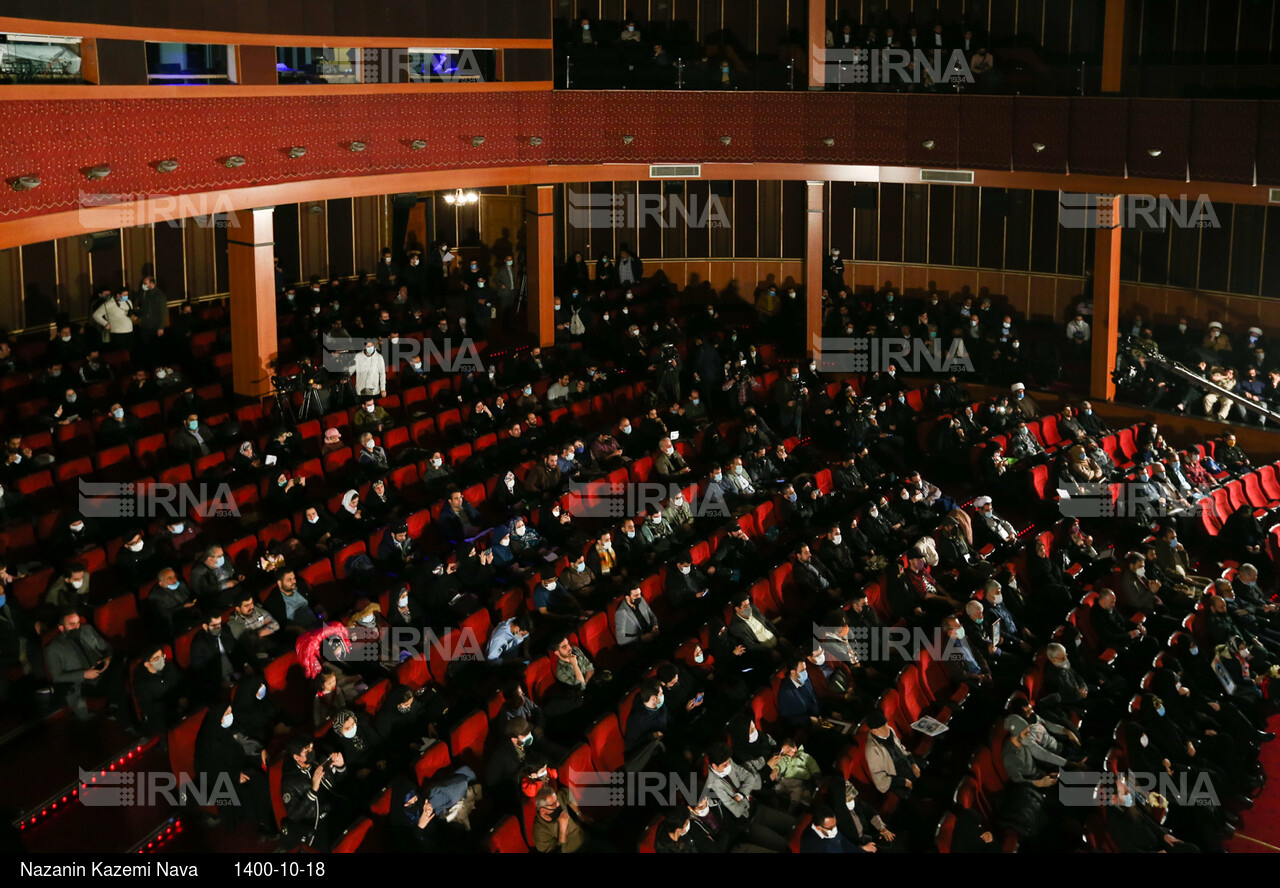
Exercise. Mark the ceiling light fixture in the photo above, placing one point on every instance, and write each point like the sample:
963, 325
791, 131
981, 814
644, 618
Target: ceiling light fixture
928, 144
234, 161
357, 146
725, 140
1037, 147
535, 141
461, 198
167, 166
98, 172
829, 142
477, 141
1155, 152
628, 139
25, 183
417, 144
297, 151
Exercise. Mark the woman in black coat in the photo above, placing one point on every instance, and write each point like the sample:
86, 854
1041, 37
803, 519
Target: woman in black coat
231, 774
256, 714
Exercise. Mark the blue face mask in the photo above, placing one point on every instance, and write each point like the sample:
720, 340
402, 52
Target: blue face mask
171, 586
222, 559
193, 425
1159, 710
3, 599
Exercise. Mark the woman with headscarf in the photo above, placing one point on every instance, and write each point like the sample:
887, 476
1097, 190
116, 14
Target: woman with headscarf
383, 503
475, 570
334, 691
226, 767
256, 714
437, 586
1243, 536
287, 494
247, 464
352, 523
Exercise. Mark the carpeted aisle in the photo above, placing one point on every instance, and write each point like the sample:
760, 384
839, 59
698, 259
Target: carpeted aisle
1260, 832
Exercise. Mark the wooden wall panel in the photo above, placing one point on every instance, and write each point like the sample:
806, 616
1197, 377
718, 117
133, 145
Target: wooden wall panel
77, 280
339, 229
285, 222
366, 216
40, 284
170, 261
312, 239
201, 268
139, 254
105, 265
11, 288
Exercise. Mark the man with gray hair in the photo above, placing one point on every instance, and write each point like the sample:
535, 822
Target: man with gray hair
1249, 595
1061, 679
214, 579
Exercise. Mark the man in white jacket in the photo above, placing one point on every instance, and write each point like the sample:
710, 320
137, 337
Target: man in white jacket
370, 370
115, 318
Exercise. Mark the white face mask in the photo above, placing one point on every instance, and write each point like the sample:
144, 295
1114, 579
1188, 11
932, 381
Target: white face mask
722, 772
836, 539
404, 600
437, 463
227, 720
349, 732
820, 658
685, 569
178, 528
135, 547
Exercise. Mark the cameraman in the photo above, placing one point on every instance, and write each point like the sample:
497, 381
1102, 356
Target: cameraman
314, 384
790, 395
666, 373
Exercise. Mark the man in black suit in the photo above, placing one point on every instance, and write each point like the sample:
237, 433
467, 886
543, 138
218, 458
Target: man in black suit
217, 660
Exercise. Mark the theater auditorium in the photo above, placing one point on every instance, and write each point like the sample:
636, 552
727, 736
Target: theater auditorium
637, 427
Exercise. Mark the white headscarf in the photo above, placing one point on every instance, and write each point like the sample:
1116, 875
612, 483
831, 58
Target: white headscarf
347, 501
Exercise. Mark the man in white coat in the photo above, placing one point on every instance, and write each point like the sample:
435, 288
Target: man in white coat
115, 318
370, 370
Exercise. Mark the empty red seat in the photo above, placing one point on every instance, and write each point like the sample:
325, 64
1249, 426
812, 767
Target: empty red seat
355, 837
467, 739
118, 622
505, 838
434, 760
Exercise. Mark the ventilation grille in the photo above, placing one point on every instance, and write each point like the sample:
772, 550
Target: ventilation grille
953, 177
1274, 195
676, 171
